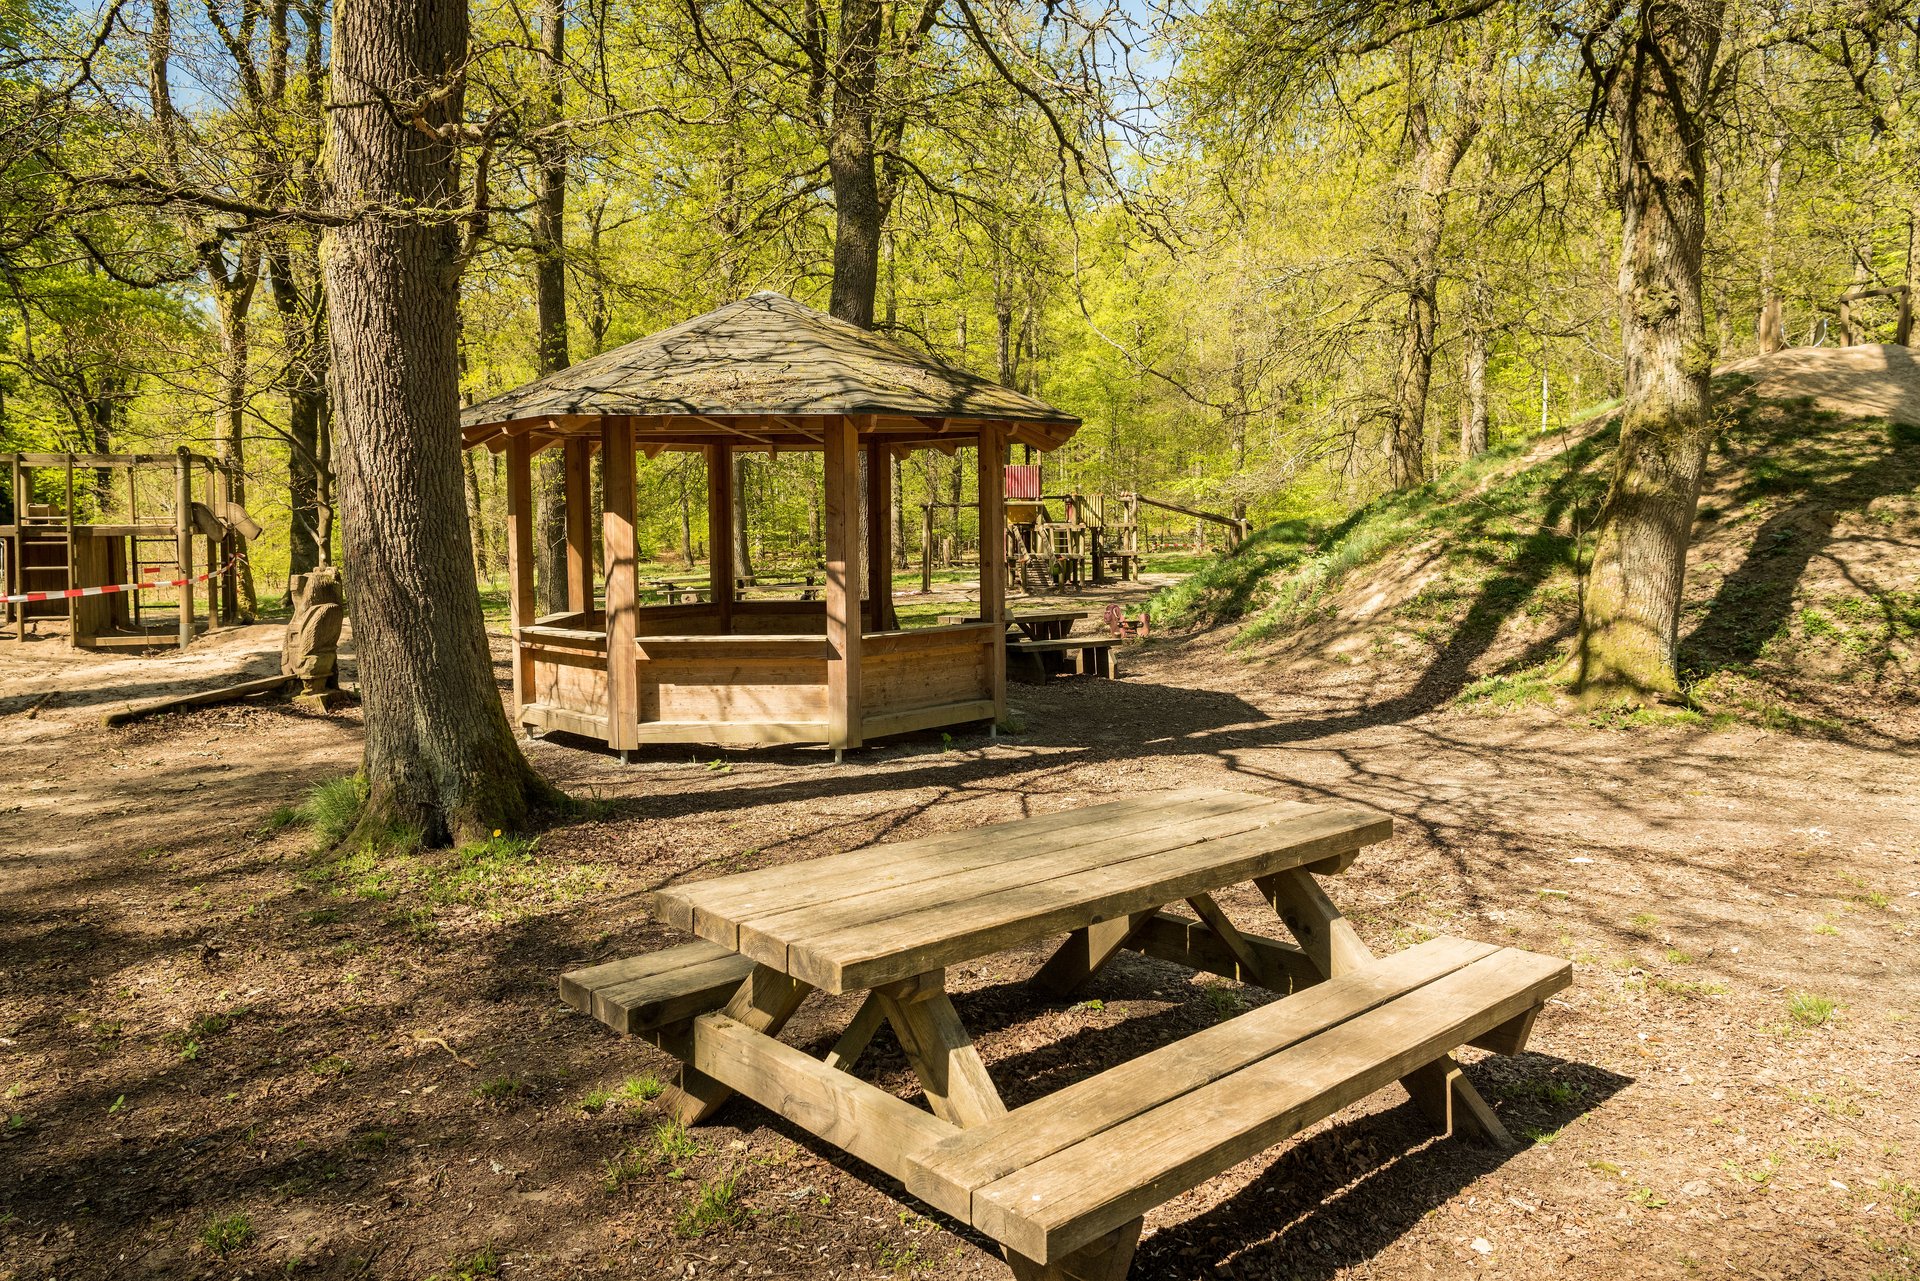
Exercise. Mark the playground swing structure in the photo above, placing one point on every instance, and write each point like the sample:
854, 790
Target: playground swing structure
1089, 541
115, 519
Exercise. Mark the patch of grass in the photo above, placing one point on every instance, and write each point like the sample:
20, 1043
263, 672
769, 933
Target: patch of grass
278, 821
332, 1067
225, 1234
1224, 1002
1647, 1198
1642, 923
633, 1092
500, 1089
899, 1258
1811, 1010
1607, 1168
484, 1262
625, 1167
1676, 957
1903, 1198
671, 1142
1687, 989
1532, 687
716, 1204
333, 808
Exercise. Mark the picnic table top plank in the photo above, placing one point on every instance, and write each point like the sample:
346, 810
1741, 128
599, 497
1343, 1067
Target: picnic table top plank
713, 908
948, 1173
914, 889
1074, 1196
861, 955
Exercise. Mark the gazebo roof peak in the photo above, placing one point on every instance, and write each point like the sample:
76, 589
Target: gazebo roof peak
759, 365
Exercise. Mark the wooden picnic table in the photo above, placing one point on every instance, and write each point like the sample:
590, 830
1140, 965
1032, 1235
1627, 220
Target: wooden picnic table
1035, 624
1062, 1181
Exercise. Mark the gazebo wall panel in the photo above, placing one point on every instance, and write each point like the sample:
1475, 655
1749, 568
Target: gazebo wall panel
722, 691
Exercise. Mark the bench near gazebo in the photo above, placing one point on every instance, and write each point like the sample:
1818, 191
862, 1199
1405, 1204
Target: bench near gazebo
766, 374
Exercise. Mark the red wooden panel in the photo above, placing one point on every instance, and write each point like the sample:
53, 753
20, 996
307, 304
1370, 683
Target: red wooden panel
1023, 482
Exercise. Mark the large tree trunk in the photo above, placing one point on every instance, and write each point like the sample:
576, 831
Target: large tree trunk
1435, 160
303, 380
742, 550
1474, 424
858, 212
440, 757
1628, 647
550, 309
1773, 319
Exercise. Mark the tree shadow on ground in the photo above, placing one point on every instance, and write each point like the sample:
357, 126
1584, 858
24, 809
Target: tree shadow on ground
1812, 484
1336, 1198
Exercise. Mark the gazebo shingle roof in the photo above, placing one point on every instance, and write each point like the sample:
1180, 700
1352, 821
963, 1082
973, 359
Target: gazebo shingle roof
758, 368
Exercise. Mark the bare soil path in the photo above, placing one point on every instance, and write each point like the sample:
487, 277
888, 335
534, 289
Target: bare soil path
223, 1055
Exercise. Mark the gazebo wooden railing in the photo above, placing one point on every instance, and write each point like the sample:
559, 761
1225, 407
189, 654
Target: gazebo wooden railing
761, 374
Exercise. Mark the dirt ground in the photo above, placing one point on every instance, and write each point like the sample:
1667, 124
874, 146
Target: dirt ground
225, 1055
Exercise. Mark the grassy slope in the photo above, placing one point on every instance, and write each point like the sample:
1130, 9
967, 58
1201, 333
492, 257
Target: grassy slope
1769, 617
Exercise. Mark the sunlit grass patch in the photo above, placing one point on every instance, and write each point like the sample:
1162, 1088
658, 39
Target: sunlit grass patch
1811, 1010
715, 1205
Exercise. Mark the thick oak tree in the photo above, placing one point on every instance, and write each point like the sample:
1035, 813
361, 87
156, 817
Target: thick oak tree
440, 756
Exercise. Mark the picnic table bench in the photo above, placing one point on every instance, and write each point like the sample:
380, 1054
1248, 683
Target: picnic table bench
1040, 644
1062, 1182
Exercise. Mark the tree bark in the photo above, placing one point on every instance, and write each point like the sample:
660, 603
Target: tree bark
851, 164
303, 380
440, 758
1773, 319
550, 311
1435, 159
742, 552
1628, 648
1475, 427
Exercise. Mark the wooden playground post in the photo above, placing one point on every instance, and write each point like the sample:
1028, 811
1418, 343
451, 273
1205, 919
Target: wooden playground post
223, 594
73, 564
183, 538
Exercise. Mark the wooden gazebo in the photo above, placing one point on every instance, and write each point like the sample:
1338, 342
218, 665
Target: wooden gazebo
768, 374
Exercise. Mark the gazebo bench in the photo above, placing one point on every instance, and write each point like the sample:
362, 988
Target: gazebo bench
1060, 1173
1090, 655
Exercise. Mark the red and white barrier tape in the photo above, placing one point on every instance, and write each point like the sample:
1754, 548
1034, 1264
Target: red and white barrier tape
72, 592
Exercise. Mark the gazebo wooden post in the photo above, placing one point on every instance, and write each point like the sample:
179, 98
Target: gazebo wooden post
993, 559
880, 532
720, 533
623, 587
579, 483
843, 584
520, 597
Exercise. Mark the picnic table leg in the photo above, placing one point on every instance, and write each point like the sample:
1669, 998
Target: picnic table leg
1084, 954
959, 1090
1331, 943
765, 1000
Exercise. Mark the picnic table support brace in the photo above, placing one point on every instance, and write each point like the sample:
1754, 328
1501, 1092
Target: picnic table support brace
1084, 954
961, 1093
764, 1002
1334, 947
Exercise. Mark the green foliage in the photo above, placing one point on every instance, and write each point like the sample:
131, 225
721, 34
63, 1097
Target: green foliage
332, 808
715, 1205
1810, 1009
226, 1233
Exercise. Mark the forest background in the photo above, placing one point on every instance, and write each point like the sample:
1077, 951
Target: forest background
1273, 306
